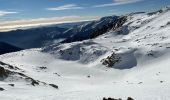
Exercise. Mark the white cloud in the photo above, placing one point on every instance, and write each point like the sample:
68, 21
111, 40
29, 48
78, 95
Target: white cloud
66, 7
117, 2
4, 13
8, 25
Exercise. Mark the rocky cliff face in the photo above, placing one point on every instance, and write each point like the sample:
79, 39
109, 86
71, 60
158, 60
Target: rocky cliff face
115, 25
86, 30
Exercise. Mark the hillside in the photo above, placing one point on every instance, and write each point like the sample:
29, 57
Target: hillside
7, 48
129, 58
33, 37
63, 33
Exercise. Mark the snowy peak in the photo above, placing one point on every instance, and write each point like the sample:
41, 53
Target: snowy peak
130, 32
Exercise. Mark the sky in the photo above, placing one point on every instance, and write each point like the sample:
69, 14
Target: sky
34, 12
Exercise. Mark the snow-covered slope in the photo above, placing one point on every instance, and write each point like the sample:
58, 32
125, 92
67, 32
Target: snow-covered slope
135, 64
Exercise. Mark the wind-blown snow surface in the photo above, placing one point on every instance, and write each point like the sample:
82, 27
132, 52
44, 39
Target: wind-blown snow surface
142, 73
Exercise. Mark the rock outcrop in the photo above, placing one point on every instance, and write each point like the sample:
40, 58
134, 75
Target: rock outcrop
110, 61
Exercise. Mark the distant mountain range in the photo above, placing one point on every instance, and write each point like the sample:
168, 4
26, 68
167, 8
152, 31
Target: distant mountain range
69, 32
32, 38
63, 33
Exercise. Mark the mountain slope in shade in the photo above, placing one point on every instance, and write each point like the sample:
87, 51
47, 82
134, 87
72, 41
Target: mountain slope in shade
32, 38
84, 31
43, 36
7, 48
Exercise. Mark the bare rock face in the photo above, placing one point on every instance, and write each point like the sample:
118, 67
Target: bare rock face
114, 25
2, 89
110, 61
129, 98
3, 72
111, 98
54, 86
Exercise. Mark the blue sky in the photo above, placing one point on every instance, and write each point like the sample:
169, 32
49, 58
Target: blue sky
11, 10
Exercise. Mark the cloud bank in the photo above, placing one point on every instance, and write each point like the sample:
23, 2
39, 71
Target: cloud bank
66, 7
118, 2
4, 13
9, 25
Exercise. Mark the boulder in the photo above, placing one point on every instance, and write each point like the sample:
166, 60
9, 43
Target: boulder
2, 89
54, 86
3, 72
111, 60
111, 98
129, 98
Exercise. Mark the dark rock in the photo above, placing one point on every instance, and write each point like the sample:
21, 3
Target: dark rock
3, 72
54, 86
2, 89
110, 61
168, 23
111, 98
43, 67
129, 98
11, 85
22, 74
57, 74
34, 82
150, 53
140, 82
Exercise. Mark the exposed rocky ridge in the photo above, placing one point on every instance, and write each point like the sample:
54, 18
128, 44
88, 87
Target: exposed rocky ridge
10, 73
3, 72
115, 25
84, 31
111, 60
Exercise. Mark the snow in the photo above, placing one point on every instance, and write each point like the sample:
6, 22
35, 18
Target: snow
143, 72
